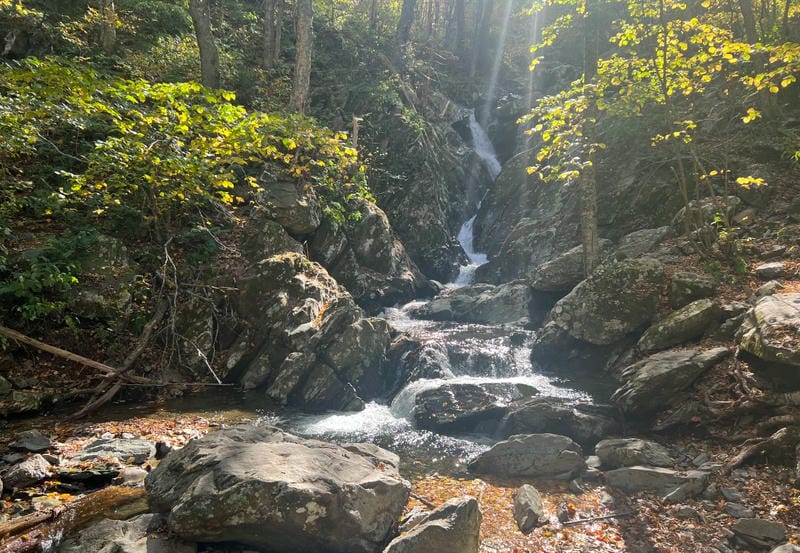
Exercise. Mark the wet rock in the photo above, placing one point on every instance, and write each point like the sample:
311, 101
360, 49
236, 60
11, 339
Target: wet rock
768, 324
663, 481
132, 452
125, 536
33, 441
759, 532
453, 527
687, 323
565, 272
358, 350
267, 489
483, 303
641, 242
625, 452
545, 456
585, 423
686, 287
458, 408
656, 381
770, 271
297, 211
27, 473
528, 508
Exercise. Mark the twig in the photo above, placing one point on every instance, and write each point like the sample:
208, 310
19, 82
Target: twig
593, 519
422, 500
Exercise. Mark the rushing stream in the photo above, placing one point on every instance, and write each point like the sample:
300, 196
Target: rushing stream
471, 353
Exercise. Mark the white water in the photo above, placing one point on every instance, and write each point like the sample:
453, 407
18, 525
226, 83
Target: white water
485, 150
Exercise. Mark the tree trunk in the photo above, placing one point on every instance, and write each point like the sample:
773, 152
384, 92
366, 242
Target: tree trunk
749, 19
209, 55
785, 24
588, 182
480, 48
406, 20
373, 14
303, 25
108, 29
279, 12
269, 34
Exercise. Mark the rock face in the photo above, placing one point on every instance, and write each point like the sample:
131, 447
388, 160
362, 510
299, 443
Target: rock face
267, 489
771, 329
702, 212
655, 382
483, 303
564, 272
528, 508
312, 346
124, 536
452, 528
686, 287
603, 310
584, 423
295, 209
685, 324
625, 452
660, 480
458, 407
546, 456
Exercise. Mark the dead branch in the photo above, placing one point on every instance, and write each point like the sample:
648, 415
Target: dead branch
754, 447
32, 529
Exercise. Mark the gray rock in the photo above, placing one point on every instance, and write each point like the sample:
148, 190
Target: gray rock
641, 242
27, 473
528, 508
267, 489
687, 323
660, 480
32, 440
759, 531
730, 494
453, 527
766, 326
769, 289
483, 303
297, 211
686, 287
737, 510
584, 423
132, 452
265, 237
656, 381
545, 456
565, 272
625, 452
5, 387
772, 270
787, 548
459, 407
701, 213
124, 536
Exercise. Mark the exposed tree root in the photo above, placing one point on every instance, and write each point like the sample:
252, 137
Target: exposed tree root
755, 446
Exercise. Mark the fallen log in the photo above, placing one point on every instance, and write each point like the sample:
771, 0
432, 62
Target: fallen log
20, 533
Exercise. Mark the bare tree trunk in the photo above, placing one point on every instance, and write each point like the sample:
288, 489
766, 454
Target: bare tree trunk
785, 24
373, 14
279, 13
406, 20
749, 18
269, 34
480, 48
108, 28
588, 182
209, 54
303, 25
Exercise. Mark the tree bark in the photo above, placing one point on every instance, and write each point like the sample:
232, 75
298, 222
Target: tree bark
279, 12
373, 14
209, 54
406, 20
588, 182
303, 25
749, 19
108, 29
269, 34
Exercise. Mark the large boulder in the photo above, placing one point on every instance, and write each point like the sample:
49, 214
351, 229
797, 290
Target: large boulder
305, 339
454, 527
564, 272
686, 287
482, 303
270, 490
687, 323
125, 536
292, 205
365, 257
583, 422
265, 237
603, 311
771, 330
545, 456
641, 242
665, 482
657, 381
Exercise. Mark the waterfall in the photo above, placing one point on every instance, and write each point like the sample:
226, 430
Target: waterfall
483, 148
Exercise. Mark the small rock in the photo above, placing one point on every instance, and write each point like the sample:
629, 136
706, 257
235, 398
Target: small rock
773, 252
33, 441
27, 473
127, 436
98, 473
786, 548
686, 512
700, 460
107, 436
730, 494
14, 458
528, 508
547, 456
54, 460
769, 271
132, 476
134, 452
607, 499
769, 289
632, 451
737, 510
759, 531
